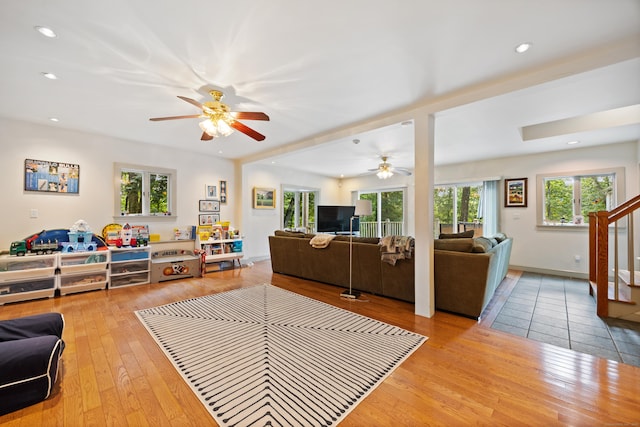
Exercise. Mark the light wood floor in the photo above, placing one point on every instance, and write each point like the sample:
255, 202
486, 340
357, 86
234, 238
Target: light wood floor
114, 374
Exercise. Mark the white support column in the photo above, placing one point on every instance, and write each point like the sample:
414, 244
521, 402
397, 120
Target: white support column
424, 125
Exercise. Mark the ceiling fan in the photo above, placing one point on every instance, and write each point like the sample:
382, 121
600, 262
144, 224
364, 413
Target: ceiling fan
219, 120
386, 170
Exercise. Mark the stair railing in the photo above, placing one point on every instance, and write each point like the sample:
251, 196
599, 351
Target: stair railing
599, 251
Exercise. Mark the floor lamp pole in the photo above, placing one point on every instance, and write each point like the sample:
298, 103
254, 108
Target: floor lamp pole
350, 293
363, 207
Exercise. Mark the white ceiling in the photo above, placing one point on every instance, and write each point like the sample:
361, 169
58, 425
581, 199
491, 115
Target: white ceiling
319, 70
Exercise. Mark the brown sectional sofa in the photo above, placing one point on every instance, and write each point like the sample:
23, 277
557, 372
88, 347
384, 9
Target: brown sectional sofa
292, 254
468, 271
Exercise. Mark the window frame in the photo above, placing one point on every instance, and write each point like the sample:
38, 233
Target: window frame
355, 195
146, 171
618, 194
454, 212
302, 213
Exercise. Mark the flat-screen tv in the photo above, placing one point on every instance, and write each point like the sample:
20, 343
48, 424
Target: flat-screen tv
335, 219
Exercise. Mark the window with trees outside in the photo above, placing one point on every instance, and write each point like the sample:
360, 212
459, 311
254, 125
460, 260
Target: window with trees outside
387, 213
144, 191
299, 209
458, 208
568, 198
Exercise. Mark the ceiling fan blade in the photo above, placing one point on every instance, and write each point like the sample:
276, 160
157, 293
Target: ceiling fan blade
205, 137
247, 131
402, 171
192, 102
159, 119
246, 115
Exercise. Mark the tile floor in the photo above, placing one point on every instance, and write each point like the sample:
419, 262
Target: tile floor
559, 310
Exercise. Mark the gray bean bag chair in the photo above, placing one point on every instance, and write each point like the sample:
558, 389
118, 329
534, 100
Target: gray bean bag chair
30, 351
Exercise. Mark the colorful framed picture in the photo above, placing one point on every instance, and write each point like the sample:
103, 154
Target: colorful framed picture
209, 206
264, 198
208, 219
210, 192
515, 193
51, 177
223, 192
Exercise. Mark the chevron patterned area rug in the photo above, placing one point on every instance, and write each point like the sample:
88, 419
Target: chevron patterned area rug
264, 356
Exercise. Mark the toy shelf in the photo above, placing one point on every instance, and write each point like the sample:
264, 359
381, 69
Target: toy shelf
129, 266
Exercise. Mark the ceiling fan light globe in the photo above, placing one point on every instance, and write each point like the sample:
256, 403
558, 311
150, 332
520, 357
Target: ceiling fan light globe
384, 173
224, 128
209, 128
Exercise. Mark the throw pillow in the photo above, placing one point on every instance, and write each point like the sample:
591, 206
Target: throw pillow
482, 245
464, 235
283, 233
457, 245
500, 237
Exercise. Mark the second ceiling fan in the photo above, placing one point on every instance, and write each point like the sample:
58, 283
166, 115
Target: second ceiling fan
386, 170
219, 120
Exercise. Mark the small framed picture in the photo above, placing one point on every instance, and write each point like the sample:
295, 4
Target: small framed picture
515, 193
208, 219
209, 206
264, 198
210, 192
223, 192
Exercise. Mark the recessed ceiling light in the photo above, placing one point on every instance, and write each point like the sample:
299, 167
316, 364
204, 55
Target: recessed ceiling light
523, 47
573, 142
50, 76
54, 119
46, 31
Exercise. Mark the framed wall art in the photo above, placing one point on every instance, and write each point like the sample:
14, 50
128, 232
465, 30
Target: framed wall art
209, 205
264, 198
210, 192
208, 219
515, 193
51, 177
223, 192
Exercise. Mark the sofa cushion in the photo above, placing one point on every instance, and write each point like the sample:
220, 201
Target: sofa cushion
372, 240
458, 245
463, 235
288, 233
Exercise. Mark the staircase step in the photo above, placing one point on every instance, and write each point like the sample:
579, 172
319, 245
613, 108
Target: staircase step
625, 276
624, 293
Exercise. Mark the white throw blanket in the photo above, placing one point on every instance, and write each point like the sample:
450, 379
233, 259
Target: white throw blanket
320, 241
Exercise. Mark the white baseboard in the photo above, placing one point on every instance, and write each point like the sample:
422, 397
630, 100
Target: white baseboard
563, 273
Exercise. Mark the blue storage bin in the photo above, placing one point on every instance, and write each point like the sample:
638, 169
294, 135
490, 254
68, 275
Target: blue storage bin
128, 256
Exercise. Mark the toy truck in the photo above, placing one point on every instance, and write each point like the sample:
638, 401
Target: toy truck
20, 248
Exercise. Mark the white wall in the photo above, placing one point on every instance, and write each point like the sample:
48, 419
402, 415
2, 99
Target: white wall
258, 224
544, 249
96, 155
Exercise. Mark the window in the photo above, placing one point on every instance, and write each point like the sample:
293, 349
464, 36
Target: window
568, 198
387, 214
458, 208
144, 191
299, 209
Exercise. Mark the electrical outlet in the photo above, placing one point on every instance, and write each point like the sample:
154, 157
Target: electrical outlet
33, 213
577, 258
